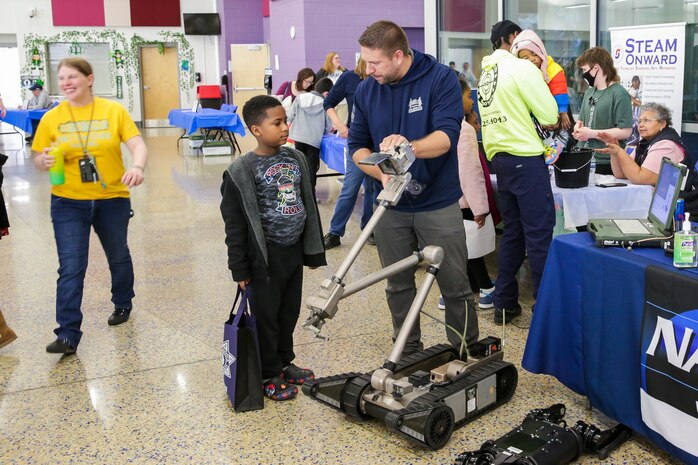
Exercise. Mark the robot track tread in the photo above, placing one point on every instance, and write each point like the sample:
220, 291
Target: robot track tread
353, 391
314, 388
433, 399
424, 356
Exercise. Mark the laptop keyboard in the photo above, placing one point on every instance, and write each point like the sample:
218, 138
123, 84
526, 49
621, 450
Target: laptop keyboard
631, 227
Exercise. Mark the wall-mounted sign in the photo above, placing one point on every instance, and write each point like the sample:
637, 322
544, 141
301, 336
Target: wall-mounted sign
26, 81
119, 87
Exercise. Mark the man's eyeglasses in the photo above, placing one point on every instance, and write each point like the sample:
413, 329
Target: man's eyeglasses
646, 120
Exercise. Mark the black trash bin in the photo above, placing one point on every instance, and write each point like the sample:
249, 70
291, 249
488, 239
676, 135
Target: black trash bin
572, 168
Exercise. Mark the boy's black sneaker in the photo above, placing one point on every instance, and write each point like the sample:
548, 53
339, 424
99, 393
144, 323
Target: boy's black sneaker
295, 375
120, 315
331, 241
61, 346
500, 314
278, 389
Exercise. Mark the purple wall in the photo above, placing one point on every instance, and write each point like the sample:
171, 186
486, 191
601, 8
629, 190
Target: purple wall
241, 23
292, 52
415, 36
332, 25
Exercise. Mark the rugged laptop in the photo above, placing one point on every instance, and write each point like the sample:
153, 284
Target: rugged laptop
650, 231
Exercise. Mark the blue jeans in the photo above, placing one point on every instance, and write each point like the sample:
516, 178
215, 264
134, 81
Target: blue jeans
528, 211
347, 198
72, 220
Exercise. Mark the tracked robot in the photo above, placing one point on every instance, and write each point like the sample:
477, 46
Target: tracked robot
426, 395
545, 439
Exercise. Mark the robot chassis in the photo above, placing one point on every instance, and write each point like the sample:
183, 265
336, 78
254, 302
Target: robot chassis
426, 395
544, 439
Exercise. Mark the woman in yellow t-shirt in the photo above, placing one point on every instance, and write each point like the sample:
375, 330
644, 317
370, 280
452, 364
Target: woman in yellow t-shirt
88, 132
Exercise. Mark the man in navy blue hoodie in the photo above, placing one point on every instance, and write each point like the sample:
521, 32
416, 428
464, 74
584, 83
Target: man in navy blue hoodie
413, 98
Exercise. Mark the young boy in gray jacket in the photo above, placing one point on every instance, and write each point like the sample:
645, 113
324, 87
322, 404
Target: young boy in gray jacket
272, 230
309, 123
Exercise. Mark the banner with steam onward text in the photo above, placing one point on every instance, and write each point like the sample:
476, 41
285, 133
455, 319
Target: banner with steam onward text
650, 62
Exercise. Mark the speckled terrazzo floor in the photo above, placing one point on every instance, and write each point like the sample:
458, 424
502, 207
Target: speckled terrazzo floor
151, 390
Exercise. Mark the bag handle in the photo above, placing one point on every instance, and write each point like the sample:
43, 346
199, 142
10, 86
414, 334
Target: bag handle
243, 308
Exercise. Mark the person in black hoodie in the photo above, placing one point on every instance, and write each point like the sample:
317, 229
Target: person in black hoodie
272, 229
657, 140
412, 98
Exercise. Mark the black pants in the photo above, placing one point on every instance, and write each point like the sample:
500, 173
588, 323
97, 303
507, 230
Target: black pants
312, 154
477, 269
477, 274
276, 305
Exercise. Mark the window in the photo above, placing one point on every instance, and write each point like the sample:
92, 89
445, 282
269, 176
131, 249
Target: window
10, 77
564, 31
464, 32
97, 54
639, 12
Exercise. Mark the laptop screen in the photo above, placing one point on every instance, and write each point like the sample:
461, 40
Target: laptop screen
665, 194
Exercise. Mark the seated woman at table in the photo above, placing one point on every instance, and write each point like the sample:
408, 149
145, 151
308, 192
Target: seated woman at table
657, 140
289, 90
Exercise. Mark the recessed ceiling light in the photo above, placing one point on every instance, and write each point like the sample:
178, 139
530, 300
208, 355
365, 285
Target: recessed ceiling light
577, 5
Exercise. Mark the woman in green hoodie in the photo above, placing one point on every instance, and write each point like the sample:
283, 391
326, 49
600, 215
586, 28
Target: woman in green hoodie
605, 107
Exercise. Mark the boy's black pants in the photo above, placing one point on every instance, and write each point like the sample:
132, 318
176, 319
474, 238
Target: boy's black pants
276, 306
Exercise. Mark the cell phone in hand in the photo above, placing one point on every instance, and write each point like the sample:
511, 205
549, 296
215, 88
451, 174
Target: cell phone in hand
611, 184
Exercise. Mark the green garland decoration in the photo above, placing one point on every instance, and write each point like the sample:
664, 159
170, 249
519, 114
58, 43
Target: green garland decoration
185, 54
130, 66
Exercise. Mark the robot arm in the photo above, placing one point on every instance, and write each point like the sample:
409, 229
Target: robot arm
324, 305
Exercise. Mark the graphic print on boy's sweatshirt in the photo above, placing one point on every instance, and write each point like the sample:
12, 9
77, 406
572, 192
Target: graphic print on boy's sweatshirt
286, 176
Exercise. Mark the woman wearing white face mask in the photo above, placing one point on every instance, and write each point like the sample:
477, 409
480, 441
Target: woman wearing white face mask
605, 107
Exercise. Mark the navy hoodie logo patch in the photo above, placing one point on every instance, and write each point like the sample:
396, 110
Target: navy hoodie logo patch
415, 105
488, 84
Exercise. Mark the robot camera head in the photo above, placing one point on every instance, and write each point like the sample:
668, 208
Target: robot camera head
395, 162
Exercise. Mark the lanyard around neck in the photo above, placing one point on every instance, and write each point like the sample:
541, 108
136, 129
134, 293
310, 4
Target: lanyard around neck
89, 128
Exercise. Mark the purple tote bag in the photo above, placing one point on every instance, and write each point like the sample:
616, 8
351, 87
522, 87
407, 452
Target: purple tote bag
242, 371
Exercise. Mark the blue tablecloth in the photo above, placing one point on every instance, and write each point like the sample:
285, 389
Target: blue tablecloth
332, 152
229, 108
586, 329
21, 119
206, 118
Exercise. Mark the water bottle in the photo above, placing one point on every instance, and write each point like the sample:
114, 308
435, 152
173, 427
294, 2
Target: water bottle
592, 171
57, 171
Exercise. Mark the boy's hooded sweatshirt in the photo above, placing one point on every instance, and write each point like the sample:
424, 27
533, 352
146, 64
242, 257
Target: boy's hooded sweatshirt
427, 99
509, 91
310, 122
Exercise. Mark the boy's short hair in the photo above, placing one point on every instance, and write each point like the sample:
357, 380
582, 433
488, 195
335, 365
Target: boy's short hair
255, 110
323, 85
